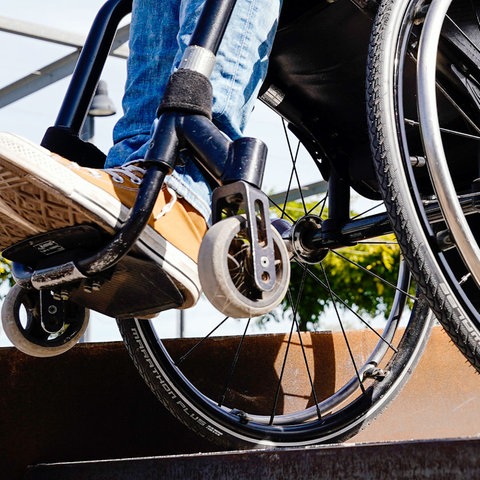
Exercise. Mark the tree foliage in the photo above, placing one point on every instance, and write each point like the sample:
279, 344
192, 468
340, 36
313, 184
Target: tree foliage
355, 277
344, 279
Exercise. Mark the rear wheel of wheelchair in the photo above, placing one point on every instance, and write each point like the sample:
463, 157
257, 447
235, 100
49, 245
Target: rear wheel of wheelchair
424, 112
42, 337
316, 368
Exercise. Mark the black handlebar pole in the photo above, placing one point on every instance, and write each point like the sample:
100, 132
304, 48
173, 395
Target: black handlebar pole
162, 155
90, 64
212, 23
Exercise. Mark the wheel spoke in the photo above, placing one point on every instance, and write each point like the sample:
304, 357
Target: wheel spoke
340, 322
293, 173
348, 307
457, 133
200, 342
234, 364
455, 25
373, 274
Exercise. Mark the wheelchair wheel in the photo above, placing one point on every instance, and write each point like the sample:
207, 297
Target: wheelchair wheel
223, 265
37, 336
424, 113
315, 369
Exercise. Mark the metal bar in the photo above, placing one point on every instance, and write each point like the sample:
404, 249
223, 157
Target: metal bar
119, 48
212, 24
374, 225
294, 194
40, 32
209, 144
351, 232
90, 64
58, 36
38, 79
55, 71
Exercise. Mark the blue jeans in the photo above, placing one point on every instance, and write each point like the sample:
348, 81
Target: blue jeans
160, 32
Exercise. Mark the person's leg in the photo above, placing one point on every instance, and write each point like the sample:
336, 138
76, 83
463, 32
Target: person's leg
239, 72
153, 47
242, 59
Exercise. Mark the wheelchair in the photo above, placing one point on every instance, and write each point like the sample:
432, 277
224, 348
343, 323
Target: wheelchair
384, 97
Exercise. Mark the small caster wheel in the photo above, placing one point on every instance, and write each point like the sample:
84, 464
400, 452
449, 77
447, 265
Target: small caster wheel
39, 325
226, 273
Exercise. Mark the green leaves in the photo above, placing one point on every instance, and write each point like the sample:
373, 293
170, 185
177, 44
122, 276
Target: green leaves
354, 277
361, 278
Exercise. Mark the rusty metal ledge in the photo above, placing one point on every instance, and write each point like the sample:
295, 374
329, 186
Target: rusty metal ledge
439, 459
90, 404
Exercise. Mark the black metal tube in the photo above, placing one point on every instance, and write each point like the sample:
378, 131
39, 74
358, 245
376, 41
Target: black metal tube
212, 24
125, 238
163, 146
209, 144
90, 64
246, 162
351, 232
338, 198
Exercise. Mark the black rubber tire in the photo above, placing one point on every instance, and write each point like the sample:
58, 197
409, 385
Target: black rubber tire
228, 429
428, 265
217, 279
31, 338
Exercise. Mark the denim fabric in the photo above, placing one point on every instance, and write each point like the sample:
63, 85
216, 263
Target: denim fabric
160, 32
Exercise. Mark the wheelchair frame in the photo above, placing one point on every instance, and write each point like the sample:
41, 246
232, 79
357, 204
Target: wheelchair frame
236, 168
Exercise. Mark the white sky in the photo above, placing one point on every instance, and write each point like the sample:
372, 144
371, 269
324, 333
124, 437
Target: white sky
20, 56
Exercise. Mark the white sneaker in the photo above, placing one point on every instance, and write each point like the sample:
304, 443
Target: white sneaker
41, 191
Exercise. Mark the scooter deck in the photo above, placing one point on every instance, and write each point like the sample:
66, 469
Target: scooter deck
135, 287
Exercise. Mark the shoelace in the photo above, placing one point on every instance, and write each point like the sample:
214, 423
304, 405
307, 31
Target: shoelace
135, 174
130, 170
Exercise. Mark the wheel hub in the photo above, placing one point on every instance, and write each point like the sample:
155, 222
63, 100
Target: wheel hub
298, 238
302, 233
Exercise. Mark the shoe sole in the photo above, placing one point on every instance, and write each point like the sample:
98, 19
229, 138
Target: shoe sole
55, 197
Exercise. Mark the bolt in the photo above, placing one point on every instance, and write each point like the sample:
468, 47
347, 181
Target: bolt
242, 416
375, 373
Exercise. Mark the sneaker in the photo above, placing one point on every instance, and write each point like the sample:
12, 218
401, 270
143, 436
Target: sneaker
41, 192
